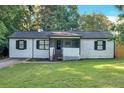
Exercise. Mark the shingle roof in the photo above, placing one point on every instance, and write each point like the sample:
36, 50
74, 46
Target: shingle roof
96, 35
29, 34
46, 34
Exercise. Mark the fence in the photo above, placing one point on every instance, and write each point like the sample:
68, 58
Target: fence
119, 51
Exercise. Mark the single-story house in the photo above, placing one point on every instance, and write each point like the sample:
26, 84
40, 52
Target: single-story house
70, 45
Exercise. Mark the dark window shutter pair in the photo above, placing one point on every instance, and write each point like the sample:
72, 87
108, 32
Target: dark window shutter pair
96, 44
17, 44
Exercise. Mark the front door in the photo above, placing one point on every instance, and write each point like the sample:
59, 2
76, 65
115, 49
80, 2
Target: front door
58, 44
58, 50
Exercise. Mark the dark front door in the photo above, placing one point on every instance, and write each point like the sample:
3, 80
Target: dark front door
58, 44
58, 50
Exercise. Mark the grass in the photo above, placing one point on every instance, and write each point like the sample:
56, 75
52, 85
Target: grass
84, 73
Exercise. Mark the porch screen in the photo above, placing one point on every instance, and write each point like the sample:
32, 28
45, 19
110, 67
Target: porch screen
72, 43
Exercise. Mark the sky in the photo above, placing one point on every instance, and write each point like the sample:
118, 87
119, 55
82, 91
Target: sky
109, 10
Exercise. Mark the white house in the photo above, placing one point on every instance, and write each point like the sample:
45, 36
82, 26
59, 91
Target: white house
61, 45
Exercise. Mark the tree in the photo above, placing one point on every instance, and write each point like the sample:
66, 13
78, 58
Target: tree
49, 18
73, 17
119, 28
28, 18
121, 9
94, 22
50, 15
55, 18
7, 15
3, 39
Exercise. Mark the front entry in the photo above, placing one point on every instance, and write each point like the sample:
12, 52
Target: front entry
58, 50
58, 44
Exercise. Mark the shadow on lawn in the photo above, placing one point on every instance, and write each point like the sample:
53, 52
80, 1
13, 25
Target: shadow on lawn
94, 75
73, 71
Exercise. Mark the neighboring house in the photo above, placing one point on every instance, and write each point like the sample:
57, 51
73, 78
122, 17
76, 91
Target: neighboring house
61, 45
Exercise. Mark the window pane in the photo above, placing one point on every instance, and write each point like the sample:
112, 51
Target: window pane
41, 46
41, 42
99, 47
21, 42
46, 42
76, 43
100, 42
46, 46
52, 43
21, 46
68, 43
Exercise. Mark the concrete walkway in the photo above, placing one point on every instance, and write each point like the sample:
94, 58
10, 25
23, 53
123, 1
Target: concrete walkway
41, 62
9, 61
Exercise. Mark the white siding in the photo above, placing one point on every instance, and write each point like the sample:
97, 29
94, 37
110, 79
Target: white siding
30, 52
87, 49
15, 53
51, 53
40, 53
70, 53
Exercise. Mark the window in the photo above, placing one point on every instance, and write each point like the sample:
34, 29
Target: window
73, 43
68, 43
76, 43
21, 44
42, 44
100, 45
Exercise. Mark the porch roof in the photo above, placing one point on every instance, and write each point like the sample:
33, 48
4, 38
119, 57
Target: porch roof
46, 34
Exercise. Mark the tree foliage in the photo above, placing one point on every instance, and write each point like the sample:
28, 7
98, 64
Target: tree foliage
28, 18
3, 34
119, 28
7, 15
94, 22
73, 17
46, 17
121, 9
59, 18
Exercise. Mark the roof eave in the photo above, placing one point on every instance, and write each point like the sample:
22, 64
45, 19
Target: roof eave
27, 38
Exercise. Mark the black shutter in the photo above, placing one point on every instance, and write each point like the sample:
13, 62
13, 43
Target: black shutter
17, 44
25, 44
104, 45
37, 44
95, 45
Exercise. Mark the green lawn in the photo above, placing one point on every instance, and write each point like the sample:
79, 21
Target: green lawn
84, 73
